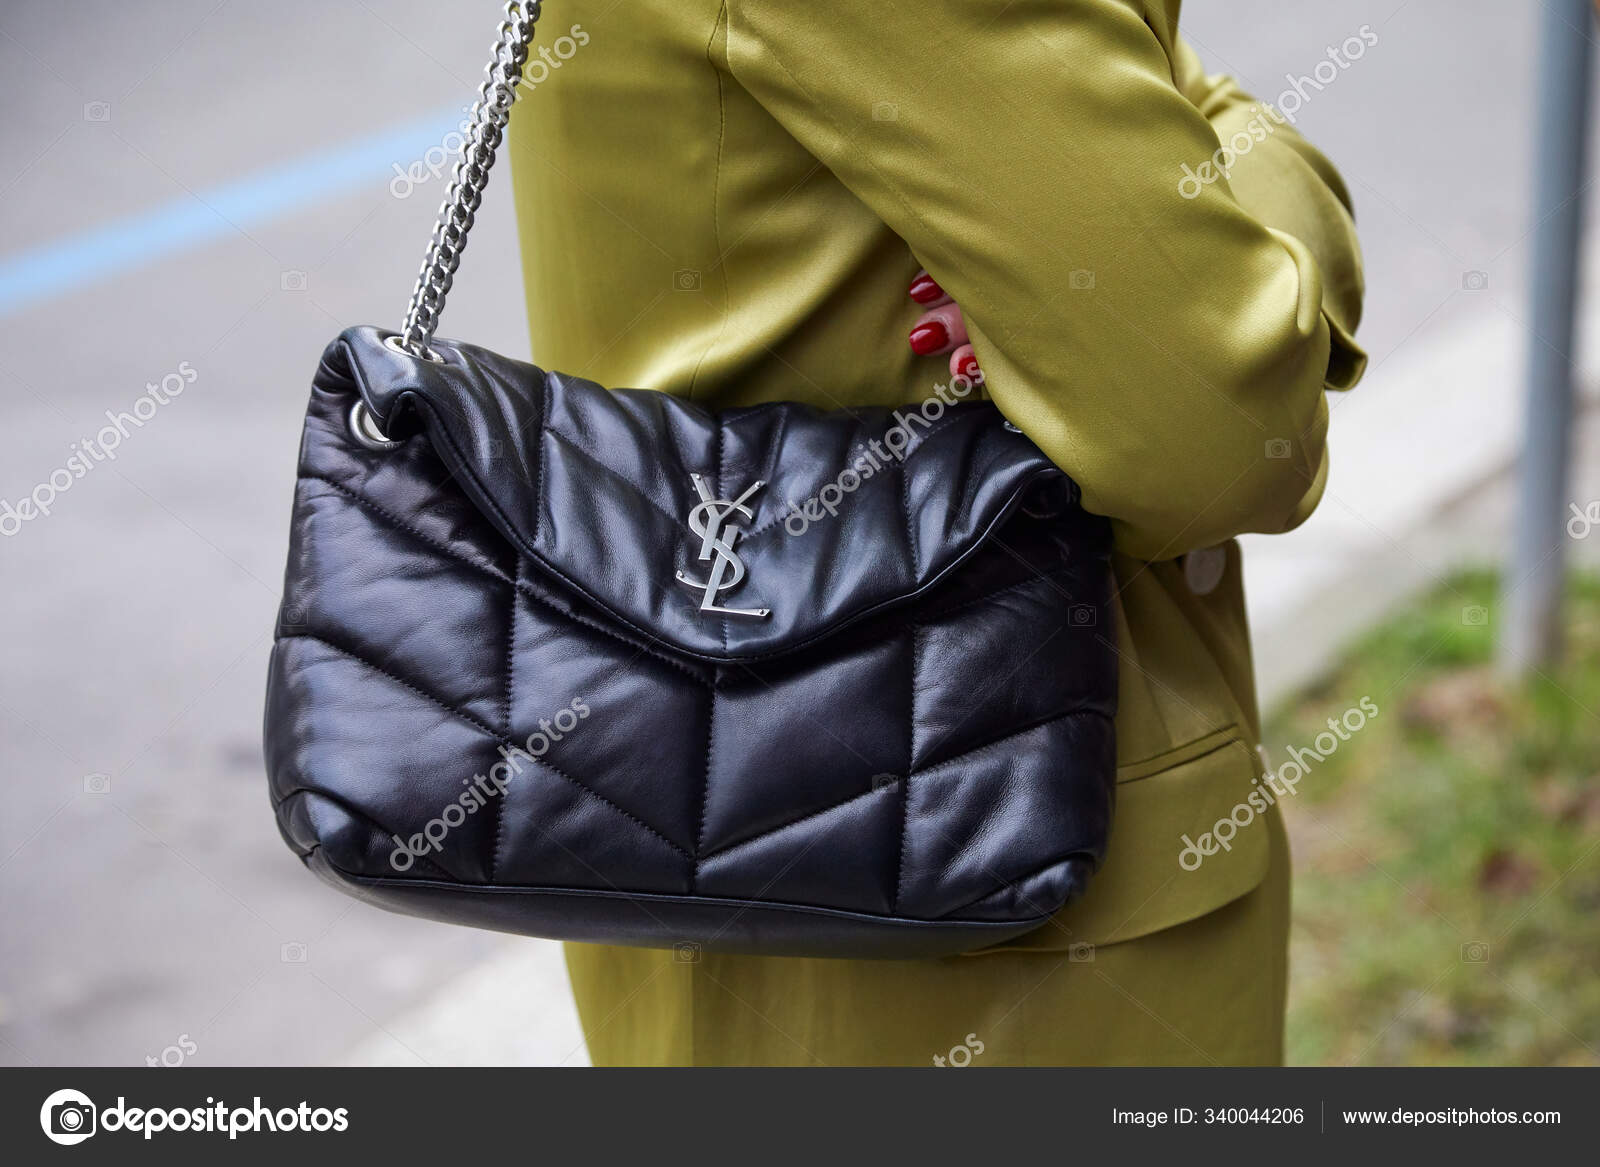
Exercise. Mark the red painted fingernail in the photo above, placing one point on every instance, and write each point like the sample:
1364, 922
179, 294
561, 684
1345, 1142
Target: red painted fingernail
968, 367
929, 338
925, 291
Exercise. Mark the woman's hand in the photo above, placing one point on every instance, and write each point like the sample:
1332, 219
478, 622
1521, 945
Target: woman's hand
941, 329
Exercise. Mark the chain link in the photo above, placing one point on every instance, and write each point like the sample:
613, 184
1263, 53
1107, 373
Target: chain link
490, 113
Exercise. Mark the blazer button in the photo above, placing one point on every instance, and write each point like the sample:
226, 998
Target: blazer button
1203, 569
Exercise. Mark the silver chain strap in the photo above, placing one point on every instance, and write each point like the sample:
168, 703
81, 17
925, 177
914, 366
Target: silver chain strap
490, 113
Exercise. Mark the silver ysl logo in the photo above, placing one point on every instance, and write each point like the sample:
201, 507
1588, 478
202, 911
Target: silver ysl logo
709, 520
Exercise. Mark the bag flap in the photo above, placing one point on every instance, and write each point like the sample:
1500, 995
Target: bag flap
625, 494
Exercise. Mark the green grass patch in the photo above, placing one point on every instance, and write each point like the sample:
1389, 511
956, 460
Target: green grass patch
1447, 855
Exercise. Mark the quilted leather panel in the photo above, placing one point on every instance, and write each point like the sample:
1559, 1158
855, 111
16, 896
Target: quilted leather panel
1003, 649
648, 761
833, 856
989, 819
370, 742
756, 780
554, 833
491, 701
453, 641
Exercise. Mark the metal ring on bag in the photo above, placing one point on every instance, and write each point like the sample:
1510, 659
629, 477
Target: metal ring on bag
365, 428
393, 344
362, 424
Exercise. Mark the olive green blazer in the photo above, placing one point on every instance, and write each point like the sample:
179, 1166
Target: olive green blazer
727, 201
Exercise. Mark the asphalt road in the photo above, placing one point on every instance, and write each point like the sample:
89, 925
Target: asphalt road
204, 188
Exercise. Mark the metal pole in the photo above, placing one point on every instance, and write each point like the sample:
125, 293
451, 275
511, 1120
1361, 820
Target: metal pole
1531, 632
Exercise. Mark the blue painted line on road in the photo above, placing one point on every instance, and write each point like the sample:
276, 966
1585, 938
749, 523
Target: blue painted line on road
51, 269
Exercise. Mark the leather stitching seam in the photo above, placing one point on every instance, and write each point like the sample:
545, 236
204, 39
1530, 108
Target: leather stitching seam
905, 786
510, 689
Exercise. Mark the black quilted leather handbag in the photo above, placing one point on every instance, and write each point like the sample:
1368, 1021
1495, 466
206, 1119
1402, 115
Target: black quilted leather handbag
603, 665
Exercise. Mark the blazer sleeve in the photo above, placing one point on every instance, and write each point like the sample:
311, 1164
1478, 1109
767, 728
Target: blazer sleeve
1288, 184
1167, 344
